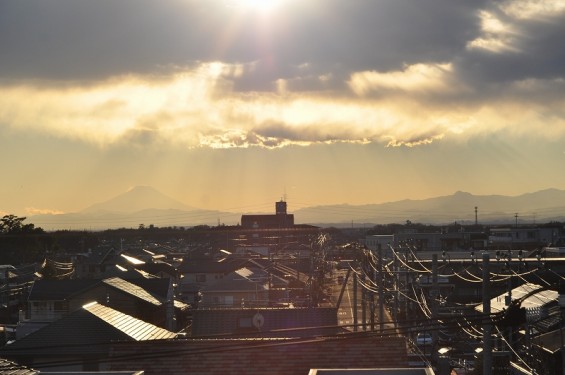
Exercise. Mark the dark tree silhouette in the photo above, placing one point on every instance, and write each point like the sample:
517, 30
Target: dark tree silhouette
12, 224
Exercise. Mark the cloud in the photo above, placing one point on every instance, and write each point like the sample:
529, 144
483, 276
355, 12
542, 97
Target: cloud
518, 40
42, 211
414, 79
200, 107
197, 73
82, 40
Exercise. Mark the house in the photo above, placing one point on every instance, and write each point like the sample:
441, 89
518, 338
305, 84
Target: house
97, 263
133, 300
81, 339
373, 371
265, 322
9, 367
245, 286
548, 348
281, 219
532, 297
15, 284
197, 274
289, 356
50, 300
147, 299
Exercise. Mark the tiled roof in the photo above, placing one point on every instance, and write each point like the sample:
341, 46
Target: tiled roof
99, 256
158, 287
58, 290
7, 367
551, 341
87, 330
136, 329
537, 298
181, 305
208, 266
237, 281
132, 289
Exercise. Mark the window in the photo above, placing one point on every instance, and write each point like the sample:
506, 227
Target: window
200, 278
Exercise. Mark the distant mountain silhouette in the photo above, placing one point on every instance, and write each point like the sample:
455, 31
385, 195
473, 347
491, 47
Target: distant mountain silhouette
544, 205
137, 199
139, 205
145, 205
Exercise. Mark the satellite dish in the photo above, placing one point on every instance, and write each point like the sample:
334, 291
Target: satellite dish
258, 320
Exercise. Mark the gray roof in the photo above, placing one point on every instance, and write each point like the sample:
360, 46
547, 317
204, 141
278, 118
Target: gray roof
59, 290
550, 342
153, 291
209, 266
89, 329
7, 367
134, 328
537, 299
373, 371
158, 287
243, 279
132, 289
277, 321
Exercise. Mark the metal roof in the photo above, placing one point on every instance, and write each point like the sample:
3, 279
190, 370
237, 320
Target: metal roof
537, 299
89, 329
58, 290
8, 367
137, 329
132, 289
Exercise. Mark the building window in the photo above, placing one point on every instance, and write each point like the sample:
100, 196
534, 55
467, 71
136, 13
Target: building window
200, 278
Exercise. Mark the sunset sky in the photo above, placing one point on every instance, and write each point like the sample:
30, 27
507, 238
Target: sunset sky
233, 104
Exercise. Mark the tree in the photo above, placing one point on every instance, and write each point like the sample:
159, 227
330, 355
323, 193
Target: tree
12, 224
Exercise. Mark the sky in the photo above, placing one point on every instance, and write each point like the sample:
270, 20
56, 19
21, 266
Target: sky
235, 104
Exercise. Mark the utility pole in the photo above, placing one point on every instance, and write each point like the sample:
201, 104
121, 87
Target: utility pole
561, 304
476, 217
516, 217
434, 294
363, 302
381, 290
374, 279
355, 276
406, 283
372, 311
508, 302
396, 290
487, 326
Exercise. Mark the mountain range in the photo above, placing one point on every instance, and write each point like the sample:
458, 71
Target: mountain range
145, 205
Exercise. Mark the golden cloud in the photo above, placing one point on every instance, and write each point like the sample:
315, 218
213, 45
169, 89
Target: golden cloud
414, 78
42, 211
199, 107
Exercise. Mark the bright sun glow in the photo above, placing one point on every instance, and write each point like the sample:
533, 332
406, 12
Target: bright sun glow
263, 6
